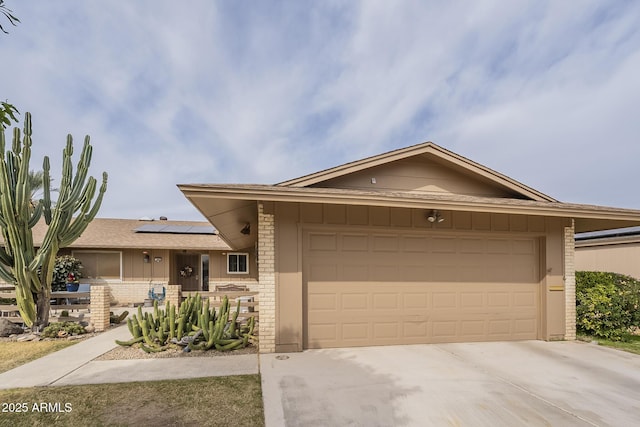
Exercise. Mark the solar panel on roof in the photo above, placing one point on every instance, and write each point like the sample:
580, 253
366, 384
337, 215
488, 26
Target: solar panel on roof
201, 229
150, 228
175, 229
619, 232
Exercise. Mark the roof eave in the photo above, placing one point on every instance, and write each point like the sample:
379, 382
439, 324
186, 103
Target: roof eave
308, 195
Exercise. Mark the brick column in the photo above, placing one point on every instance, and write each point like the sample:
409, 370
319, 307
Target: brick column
100, 304
267, 281
174, 294
570, 282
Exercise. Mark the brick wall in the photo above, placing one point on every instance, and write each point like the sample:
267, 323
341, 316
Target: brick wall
173, 295
267, 281
130, 292
136, 292
100, 303
570, 282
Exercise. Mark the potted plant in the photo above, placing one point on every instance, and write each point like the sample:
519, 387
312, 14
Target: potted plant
72, 283
66, 270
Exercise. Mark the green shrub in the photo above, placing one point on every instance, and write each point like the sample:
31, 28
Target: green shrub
607, 304
69, 328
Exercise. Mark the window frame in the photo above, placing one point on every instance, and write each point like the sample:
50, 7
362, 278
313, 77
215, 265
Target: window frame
245, 254
97, 279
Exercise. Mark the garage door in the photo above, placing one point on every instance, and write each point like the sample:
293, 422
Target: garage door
371, 288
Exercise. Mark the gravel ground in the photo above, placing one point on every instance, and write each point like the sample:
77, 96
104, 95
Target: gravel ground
15, 338
133, 352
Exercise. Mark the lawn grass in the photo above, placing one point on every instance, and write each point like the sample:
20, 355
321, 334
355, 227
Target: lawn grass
630, 343
13, 354
218, 401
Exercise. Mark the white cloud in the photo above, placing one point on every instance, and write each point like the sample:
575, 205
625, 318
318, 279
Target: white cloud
252, 92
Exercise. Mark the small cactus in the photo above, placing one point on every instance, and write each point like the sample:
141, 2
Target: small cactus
118, 319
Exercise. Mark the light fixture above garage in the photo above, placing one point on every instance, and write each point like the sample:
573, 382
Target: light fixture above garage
435, 216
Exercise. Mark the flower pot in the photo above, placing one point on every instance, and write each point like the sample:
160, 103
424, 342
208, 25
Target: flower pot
72, 287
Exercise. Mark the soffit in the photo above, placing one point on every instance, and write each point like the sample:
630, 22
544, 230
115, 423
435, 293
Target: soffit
588, 217
231, 216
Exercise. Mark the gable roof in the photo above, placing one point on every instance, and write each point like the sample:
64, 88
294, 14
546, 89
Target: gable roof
232, 208
426, 148
104, 233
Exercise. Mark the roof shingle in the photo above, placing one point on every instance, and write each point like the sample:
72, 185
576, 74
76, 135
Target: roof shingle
121, 234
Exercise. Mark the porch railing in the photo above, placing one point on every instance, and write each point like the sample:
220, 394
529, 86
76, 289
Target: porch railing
9, 310
69, 301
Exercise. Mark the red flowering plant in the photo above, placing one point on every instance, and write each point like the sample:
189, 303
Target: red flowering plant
66, 270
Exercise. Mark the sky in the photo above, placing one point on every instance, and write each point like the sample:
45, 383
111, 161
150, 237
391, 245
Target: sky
201, 91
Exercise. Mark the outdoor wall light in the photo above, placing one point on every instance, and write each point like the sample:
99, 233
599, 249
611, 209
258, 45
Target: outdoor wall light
145, 257
157, 259
435, 216
246, 229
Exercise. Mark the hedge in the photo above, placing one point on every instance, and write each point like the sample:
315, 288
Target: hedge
607, 304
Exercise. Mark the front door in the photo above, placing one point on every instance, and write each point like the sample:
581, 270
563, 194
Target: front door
188, 269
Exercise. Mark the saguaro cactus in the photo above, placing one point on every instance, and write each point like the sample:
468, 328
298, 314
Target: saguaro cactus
31, 269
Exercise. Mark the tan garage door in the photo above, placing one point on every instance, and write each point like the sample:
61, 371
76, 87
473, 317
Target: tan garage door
366, 288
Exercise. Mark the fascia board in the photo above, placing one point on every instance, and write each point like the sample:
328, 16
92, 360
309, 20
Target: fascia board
522, 207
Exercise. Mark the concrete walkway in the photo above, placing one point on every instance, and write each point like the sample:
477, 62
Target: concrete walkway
76, 365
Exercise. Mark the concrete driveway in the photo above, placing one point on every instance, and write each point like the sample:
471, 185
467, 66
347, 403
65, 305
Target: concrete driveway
474, 384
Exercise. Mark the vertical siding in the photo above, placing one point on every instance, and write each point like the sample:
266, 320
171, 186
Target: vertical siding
136, 270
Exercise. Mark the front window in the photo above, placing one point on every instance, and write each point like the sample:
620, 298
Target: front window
100, 265
238, 263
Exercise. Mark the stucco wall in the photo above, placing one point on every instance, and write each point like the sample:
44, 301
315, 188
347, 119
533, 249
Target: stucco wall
616, 258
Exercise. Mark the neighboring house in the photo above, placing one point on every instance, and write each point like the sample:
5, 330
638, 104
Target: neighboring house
417, 245
130, 256
616, 251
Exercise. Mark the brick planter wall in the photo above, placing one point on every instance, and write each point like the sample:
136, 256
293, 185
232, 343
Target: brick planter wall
100, 304
174, 293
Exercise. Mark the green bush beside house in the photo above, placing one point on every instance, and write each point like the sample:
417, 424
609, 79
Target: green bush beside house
607, 304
